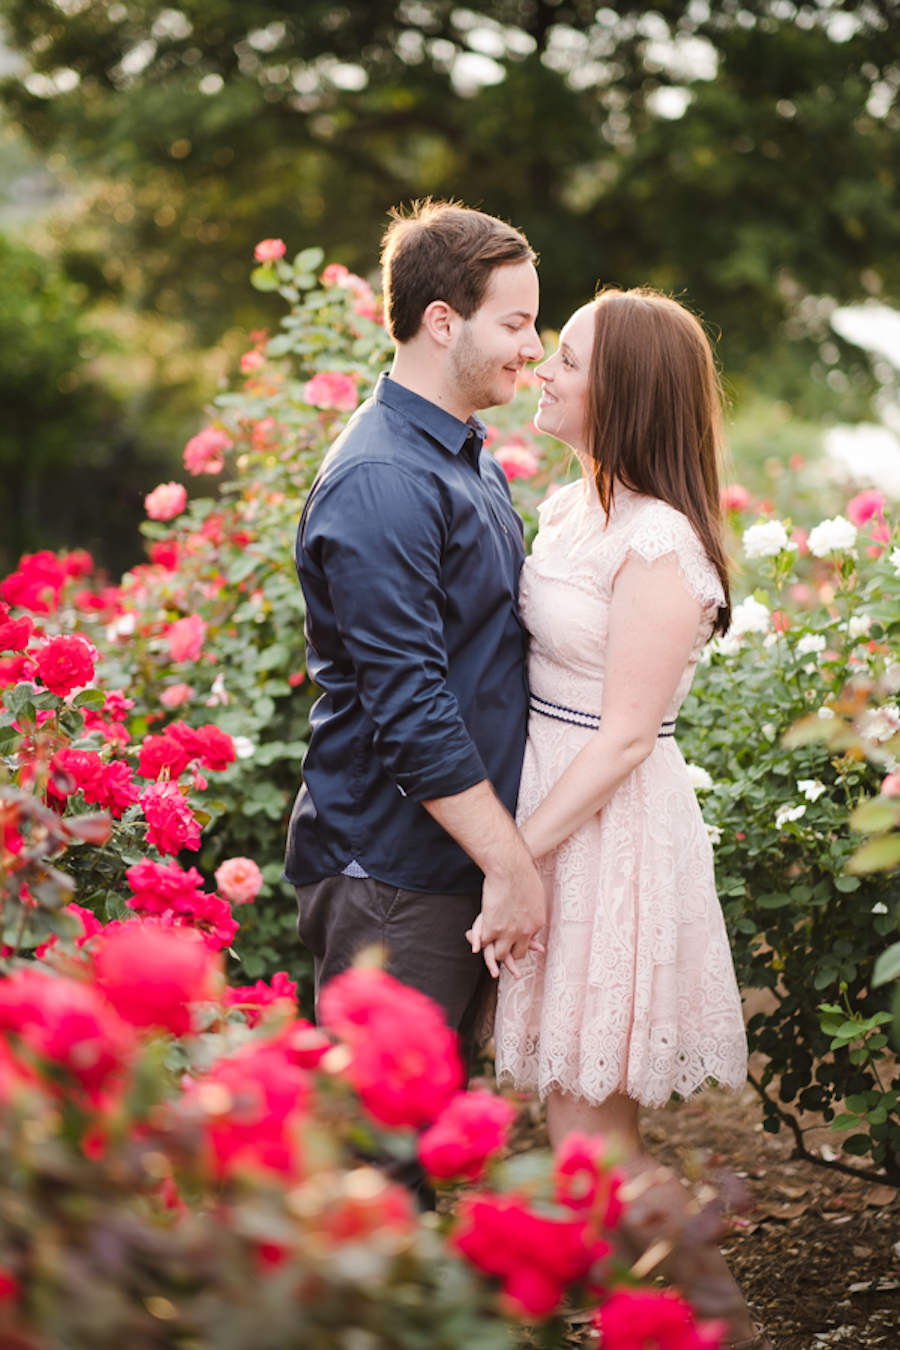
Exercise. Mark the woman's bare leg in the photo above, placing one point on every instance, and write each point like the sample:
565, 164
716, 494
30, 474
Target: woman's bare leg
658, 1212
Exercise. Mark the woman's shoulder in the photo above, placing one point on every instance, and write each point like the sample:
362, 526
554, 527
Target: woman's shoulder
657, 529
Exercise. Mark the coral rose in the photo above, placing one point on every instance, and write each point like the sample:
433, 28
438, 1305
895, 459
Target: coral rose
66, 663
516, 460
205, 452
166, 501
239, 880
185, 638
269, 250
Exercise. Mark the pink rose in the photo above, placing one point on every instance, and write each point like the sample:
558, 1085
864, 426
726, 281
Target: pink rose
176, 695
865, 505
269, 250
205, 452
166, 501
735, 498
185, 638
890, 785
239, 880
152, 975
331, 389
517, 461
335, 274
251, 361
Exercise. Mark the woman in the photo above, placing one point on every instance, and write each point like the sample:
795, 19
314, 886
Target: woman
634, 996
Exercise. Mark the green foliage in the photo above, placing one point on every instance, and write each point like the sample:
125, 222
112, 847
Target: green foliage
207, 127
765, 719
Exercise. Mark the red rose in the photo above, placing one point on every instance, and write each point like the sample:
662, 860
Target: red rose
171, 824
585, 1182
37, 583
153, 975
405, 1064
251, 999
15, 634
71, 1024
66, 663
159, 753
253, 1123
158, 887
635, 1320
466, 1134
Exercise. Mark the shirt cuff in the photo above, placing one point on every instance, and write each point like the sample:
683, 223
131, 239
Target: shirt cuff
442, 779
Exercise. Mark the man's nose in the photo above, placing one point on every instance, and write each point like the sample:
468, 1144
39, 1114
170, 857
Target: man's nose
533, 349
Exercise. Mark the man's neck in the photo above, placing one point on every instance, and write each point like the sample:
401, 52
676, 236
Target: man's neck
422, 379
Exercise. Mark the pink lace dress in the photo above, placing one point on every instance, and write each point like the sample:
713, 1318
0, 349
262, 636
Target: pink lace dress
637, 992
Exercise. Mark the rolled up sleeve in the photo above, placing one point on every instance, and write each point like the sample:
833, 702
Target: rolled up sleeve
377, 535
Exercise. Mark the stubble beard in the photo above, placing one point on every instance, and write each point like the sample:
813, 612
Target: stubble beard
474, 375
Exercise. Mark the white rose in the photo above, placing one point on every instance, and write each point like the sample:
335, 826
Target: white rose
123, 626
714, 832
749, 617
825, 713
832, 536
811, 788
879, 907
243, 747
859, 625
894, 560
891, 677
809, 643
729, 645
698, 778
880, 724
787, 813
766, 539
769, 730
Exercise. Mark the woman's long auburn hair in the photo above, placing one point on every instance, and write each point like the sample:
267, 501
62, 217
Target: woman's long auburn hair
654, 413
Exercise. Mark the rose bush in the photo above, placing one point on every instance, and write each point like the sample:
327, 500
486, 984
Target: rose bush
812, 647
180, 1163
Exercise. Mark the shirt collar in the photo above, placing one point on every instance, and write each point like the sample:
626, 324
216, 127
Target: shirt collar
448, 430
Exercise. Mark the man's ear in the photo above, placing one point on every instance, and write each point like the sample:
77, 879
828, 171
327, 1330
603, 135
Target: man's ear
439, 321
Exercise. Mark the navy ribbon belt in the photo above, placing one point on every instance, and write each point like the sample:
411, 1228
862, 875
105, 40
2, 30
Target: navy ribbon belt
544, 708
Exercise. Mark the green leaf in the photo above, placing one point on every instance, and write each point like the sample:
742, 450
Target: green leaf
264, 278
90, 698
774, 901
857, 1144
847, 884
876, 855
887, 967
309, 259
875, 815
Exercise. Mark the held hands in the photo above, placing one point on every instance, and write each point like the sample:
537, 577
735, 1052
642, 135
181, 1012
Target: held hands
513, 912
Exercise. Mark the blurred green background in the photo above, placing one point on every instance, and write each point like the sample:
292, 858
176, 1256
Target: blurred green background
743, 156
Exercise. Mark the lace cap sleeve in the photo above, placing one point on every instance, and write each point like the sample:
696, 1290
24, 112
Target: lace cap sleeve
660, 530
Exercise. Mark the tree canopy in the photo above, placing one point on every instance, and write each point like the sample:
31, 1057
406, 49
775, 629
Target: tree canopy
739, 153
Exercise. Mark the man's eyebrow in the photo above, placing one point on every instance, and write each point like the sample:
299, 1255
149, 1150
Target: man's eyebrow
518, 314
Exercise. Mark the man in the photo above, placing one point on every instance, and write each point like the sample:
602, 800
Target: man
408, 553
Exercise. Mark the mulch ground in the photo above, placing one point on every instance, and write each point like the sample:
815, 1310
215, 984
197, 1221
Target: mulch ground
817, 1254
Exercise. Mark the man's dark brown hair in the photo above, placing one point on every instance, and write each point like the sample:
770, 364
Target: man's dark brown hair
442, 251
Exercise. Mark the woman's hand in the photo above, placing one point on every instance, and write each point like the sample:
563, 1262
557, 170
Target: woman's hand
474, 936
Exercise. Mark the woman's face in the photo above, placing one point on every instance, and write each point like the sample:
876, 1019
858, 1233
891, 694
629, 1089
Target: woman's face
562, 411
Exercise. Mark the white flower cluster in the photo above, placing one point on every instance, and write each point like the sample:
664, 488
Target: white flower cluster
832, 536
784, 814
750, 616
766, 540
699, 779
859, 625
809, 643
811, 788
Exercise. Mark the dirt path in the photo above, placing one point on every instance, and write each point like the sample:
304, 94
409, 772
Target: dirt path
818, 1255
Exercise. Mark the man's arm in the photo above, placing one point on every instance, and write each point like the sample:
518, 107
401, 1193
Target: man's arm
512, 903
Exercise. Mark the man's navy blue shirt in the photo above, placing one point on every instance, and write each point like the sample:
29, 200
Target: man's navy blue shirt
408, 553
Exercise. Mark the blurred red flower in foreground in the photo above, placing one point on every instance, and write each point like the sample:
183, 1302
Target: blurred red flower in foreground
153, 975
405, 1064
